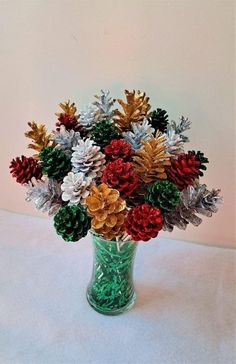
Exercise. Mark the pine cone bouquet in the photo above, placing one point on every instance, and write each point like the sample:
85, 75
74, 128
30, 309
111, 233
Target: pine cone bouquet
116, 167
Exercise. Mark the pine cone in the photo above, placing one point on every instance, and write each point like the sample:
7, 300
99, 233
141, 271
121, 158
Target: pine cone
150, 162
143, 222
164, 195
87, 158
202, 159
54, 162
45, 194
174, 142
24, 168
180, 218
66, 139
121, 176
68, 117
88, 118
200, 199
103, 132
72, 222
134, 110
107, 210
104, 106
39, 136
118, 149
76, 188
140, 132
194, 200
181, 127
183, 170
158, 119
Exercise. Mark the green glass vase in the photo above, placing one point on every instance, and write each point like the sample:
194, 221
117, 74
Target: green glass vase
111, 289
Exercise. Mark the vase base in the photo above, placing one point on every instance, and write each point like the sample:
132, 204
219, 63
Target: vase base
111, 312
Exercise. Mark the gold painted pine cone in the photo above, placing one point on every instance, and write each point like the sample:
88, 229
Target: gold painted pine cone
107, 210
134, 110
150, 162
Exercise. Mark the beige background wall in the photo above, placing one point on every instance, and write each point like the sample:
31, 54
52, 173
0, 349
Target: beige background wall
179, 52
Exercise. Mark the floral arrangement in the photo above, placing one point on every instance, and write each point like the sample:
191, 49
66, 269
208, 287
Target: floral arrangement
120, 171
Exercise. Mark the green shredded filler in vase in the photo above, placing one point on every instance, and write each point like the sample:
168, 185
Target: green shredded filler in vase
111, 289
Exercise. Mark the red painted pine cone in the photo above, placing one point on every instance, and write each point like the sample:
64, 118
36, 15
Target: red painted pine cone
121, 176
24, 168
118, 148
143, 222
70, 122
183, 170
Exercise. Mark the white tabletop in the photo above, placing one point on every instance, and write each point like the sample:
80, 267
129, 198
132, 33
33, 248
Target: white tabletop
184, 313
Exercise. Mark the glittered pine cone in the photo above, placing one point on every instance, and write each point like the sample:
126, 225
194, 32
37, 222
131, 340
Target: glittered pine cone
24, 168
143, 222
202, 159
72, 222
163, 194
70, 123
159, 120
183, 170
103, 132
54, 162
107, 210
121, 176
68, 117
118, 149
88, 158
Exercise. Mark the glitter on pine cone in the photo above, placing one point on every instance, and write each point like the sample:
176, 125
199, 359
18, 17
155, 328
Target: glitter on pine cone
55, 162
158, 119
143, 222
121, 176
118, 148
72, 222
183, 170
107, 210
202, 159
70, 123
103, 132
163, 194
68, 118
24, 168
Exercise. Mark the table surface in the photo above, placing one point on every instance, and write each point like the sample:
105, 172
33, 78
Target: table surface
184, 313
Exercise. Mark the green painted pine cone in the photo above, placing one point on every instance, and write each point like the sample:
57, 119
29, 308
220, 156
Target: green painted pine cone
163, 194
54, 162
72, 222
202, 159
103, 132
159, 120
